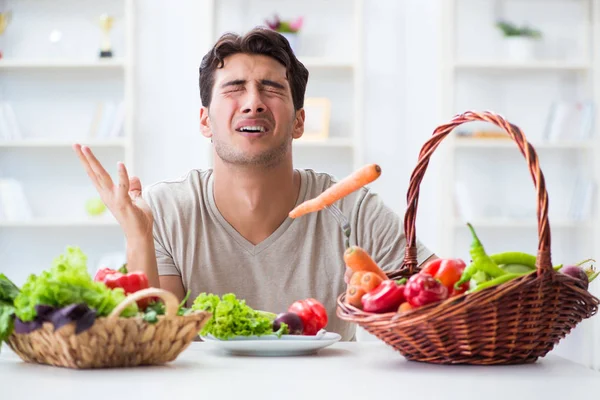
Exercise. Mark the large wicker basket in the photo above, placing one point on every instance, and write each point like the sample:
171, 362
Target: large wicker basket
514, 323
114, 341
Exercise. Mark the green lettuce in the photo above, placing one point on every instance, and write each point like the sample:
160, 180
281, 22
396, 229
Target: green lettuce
68, 282
233, 317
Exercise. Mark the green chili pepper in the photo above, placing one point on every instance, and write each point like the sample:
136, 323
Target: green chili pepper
514, 257
481, 261
496, 281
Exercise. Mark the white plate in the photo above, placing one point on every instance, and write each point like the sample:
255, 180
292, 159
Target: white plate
272, 346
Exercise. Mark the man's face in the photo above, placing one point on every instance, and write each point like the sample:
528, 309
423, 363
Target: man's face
251, 118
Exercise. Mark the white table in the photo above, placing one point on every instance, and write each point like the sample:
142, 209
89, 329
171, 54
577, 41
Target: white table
362, 370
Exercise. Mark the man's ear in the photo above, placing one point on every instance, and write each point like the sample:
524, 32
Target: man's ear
299, 124
205, 127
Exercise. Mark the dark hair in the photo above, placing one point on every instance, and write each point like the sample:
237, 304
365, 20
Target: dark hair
258, 41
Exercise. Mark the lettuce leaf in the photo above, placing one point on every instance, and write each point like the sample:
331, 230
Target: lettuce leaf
231, 317
68, 282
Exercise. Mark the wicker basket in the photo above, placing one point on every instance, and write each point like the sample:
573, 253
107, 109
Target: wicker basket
114, 341
514, 323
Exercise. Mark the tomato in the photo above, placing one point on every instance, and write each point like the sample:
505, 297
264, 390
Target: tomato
312, 313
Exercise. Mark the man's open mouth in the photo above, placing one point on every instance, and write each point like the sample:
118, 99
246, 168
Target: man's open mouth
252, 129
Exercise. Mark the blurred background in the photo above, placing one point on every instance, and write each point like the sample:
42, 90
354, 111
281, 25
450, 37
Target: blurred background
122, 76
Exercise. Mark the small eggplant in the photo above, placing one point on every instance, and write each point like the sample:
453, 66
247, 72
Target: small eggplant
292, 320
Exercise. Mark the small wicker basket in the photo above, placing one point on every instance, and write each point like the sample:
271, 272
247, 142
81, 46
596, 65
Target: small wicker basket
114, 341
514, 323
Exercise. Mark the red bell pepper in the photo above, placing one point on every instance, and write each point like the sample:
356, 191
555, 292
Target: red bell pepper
312, 313
384, 298
130, 282
422, 289
448, 271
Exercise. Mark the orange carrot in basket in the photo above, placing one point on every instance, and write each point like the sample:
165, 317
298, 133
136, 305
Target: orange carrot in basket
358, 259
354, 296
359, 178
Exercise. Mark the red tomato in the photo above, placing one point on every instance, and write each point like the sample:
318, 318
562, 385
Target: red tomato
312, 313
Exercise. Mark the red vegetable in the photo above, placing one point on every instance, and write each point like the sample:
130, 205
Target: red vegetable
423, 289
578, 274
130, 282
384, 298
312, 313
448, 271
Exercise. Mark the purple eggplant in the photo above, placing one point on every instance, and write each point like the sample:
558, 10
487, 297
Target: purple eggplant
292, 320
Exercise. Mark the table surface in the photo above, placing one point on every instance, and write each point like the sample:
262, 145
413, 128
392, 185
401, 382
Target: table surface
347, 370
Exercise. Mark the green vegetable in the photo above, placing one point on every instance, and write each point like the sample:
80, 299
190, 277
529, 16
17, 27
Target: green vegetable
516, 268
477, 278
496, 281
233, 317
68, 282
481, 262
514, 257
8, 290
7, 317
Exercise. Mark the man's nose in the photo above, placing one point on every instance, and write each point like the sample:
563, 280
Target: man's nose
253, 103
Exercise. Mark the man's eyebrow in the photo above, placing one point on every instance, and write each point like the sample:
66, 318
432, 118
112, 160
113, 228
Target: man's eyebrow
267, 82
235, 82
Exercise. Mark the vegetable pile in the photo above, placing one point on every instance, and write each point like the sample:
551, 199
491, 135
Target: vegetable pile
66, 293
370, 290
232, 317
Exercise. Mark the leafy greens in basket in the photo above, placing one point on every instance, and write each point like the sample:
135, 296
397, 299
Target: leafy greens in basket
67, 282
62, 294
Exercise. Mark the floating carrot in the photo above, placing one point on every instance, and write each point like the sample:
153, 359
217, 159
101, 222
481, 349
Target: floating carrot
358, 259
359, 178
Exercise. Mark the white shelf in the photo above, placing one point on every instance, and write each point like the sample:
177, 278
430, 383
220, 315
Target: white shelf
520, 223
532, 65
321, 62
509, 144
34, 143
115, 63
59, 223
331, 142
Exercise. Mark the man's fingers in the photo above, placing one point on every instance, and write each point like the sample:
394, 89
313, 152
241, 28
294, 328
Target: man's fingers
86, 166
348, 275
104, 178
134, 184
123, 189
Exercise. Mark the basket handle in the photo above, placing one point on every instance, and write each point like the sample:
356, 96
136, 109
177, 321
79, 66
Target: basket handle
543, 260
171, 302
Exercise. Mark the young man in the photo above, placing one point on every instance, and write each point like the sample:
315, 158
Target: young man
227, 229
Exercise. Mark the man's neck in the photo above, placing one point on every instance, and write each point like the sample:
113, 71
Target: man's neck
255, 201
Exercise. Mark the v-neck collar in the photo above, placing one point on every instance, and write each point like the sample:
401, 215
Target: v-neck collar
241, 240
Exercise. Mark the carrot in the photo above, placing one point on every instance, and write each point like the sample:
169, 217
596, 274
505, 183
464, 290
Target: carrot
359, 178
354, 296
404, 307
365, 280
369, 281
358, 259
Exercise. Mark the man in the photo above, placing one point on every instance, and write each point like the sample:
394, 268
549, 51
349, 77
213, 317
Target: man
227, 229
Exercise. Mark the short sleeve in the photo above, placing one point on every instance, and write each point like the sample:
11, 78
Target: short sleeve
164, 259
380, 231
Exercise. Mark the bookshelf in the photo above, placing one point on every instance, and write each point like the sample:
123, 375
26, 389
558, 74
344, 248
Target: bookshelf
484, 178
54, 94
331, 48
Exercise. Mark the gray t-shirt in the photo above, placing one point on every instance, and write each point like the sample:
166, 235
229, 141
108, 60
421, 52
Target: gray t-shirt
302, 258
